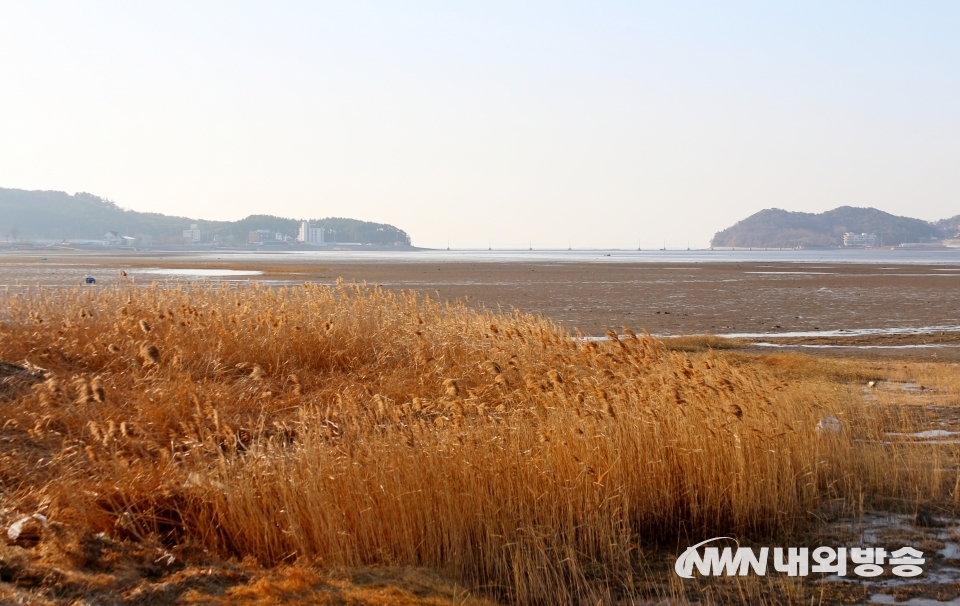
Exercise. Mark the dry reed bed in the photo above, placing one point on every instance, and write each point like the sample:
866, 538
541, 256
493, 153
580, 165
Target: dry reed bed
354, 426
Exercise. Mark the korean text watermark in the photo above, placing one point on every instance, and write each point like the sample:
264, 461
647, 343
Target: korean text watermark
796, 561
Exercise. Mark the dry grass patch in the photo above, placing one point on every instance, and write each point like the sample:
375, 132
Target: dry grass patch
798, 367
699, 343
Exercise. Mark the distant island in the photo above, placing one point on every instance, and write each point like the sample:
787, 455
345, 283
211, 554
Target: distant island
55, 216
776, 228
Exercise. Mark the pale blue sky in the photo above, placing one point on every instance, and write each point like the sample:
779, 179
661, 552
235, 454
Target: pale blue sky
600, 124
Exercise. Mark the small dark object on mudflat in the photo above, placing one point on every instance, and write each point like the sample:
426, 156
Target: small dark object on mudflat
90, 280
924, 519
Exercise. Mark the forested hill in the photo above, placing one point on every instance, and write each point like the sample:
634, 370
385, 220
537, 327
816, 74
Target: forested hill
775, 228
950, 227
28, 215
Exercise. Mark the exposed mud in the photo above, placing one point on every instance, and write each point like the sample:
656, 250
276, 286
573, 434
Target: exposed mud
760, 299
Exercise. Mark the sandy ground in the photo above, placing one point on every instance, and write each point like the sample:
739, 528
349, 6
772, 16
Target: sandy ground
768, 299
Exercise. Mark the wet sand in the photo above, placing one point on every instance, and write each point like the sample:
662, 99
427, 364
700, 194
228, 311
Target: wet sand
663, 298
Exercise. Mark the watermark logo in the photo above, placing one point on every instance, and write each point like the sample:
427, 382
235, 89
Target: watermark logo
795, 561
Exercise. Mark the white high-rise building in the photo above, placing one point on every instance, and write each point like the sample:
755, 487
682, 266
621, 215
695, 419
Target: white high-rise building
192, 235
310, 235
860, 240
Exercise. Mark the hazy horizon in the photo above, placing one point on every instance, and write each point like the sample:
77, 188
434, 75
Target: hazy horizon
586, 125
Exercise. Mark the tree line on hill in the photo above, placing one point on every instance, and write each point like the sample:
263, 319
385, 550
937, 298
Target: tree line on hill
54, 215
776, 228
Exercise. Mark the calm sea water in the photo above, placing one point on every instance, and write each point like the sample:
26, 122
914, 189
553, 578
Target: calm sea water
873, 256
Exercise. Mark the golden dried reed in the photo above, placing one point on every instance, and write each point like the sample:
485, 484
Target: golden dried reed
357, 426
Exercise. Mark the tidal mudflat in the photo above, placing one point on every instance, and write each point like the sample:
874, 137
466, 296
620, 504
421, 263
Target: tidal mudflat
785, 303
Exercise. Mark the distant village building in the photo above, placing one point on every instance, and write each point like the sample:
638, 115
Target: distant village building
192, 235
310, 235
860, 240
263, 235
113, 238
